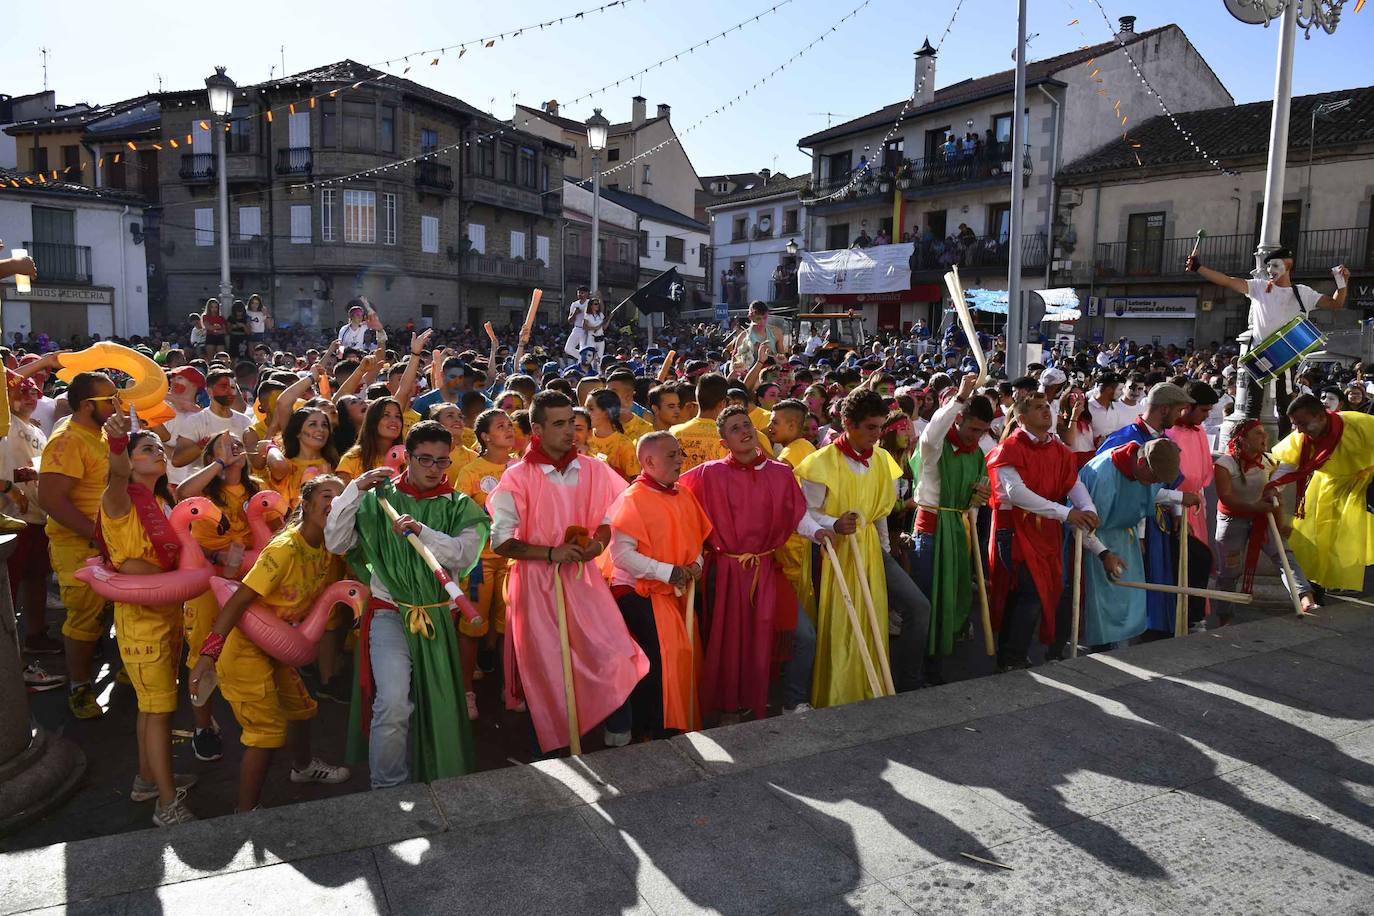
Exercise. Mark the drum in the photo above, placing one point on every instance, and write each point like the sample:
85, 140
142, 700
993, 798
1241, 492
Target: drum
1282, 349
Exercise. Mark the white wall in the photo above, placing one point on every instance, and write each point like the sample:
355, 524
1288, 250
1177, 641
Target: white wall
652, 260
761, 256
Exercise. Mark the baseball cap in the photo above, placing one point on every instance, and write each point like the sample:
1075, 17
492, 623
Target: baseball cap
191, 374
1053, 377
1162, 457
1166, 394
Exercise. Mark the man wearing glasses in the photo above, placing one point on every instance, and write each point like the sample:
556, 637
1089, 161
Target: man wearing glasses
408, 656
71, 481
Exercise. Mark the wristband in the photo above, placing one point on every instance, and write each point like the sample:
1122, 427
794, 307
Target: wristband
118, 444
212, 646
221, 463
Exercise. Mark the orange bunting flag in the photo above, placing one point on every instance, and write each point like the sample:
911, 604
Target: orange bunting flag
204, 125
1101, 92
173, 141
1074, 22
1123, 120
461, 52
490, 43
1096, 70
333, 92
158, 146
188, 139
291, 107
28, 180
131, 145
434, 63
116, 158
1137, 160
41, 179
269, 116
100, 163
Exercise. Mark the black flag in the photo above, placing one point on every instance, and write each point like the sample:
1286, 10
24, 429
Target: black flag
664, 293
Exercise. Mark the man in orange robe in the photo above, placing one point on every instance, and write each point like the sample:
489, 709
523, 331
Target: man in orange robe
658, 530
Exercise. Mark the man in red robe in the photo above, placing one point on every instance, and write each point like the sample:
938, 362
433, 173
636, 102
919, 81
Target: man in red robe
754, 504
1033, 473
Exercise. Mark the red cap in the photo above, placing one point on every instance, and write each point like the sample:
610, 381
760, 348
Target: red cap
29, 358
191, 374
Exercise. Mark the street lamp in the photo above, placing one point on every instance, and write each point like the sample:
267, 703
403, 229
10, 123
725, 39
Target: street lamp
792, 248
597, 128
220, 90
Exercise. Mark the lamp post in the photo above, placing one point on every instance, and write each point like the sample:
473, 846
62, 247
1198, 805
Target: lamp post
220, 89
597, 126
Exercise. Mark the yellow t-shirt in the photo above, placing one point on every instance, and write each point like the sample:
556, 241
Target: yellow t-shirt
125, 538
760, 416
635, 426
700, 442
461, 456
794, 452
409, 419
207, 533
298, 471
617, 450
289, 573
469, 438
77, 452
477, 479
351, 464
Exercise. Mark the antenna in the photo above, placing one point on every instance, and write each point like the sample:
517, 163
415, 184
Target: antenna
159, 82
283, 61
829, 116
45, 52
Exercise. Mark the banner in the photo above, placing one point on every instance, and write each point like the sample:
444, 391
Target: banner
1146, 306
879, 269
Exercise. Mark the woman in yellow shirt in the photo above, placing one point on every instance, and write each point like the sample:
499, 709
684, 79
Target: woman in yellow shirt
307, 450
268, 698
383, 427
608, 440
495, 442
451, 418
149, 637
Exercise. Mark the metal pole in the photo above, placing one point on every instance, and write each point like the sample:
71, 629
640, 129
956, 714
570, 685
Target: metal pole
596, 224
1016, 363
225, 288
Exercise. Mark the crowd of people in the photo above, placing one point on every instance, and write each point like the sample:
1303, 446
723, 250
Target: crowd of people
641, 540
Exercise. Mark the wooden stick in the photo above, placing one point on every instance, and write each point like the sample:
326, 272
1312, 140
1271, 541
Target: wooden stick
1077, 590
854, 625
984, 612
956, 293
691, 621
1181, 602
1287, 567
531, 315
569, 692
667, 366
455, 594
879, 635
1237, 597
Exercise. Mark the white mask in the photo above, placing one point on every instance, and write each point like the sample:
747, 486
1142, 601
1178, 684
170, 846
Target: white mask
1275, 268
1331, 401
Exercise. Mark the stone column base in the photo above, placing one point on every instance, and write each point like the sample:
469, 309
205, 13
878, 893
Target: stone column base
39, 779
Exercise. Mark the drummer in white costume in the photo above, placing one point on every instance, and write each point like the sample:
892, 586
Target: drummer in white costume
1273, 303
587, 331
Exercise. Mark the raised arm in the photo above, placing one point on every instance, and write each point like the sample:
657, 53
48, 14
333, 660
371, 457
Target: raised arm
1194, 264
115, 501
407, 386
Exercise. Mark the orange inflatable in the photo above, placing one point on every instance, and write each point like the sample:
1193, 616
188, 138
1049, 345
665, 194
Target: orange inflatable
147, 395
291, 644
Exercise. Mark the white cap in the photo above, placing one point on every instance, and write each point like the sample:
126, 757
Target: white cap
1052, 376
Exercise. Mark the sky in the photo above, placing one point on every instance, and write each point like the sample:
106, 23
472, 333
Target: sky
862, 64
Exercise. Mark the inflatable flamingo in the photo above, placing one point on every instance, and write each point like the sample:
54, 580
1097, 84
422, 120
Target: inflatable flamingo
189, 579
259, 505
293, 645
396, 459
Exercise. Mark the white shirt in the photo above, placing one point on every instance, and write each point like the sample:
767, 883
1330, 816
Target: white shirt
43, 414
815, 499
353, 337
257, 322
22, 448
505, 518
1107, 420
630, 565
454, 553
931, 444
202, 425
813, 343
1271, 310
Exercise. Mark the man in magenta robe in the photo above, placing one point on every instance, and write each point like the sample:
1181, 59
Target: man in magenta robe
754, 505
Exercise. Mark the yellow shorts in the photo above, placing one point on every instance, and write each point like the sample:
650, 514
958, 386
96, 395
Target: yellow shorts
150, 644
198, 616
491, 598
264, 693
84, 606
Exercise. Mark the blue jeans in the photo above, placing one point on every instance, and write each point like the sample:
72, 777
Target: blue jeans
389, 743
796, 673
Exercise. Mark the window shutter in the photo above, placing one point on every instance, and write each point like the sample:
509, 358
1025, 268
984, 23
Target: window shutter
300, 224
541, 248
250, 223
429, 234
517, 244
477, 234
205, 226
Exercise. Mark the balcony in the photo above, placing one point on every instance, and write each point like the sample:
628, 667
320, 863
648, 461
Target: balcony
198, 167
499, 194
783, 291
61, 263
433, 176
918, 178
1317, 250
248, 254
502, 270
613, 273
295, 160
241, 168
979, 253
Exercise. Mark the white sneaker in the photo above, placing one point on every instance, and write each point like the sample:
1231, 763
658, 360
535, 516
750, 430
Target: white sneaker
175, 813
472, 706
617, 739
319, 771
38, 680
800, 707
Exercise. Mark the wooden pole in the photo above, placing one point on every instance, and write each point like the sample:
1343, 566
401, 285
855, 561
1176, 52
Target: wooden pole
1181, 602
984, 612
1287, 567
691, 621
1077, 591
569, 692
854, 624
879, 634
1214, 594
455, 594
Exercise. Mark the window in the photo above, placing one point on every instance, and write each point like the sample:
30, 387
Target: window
71, 163
741, 228
427, 313
527, 167
386, 128
507, 163
53, 226
623, 249
935, 142
612, 155
38, 159
544, 177
205, 226
517, 244
892, 154
250, 223
477, 234
837, 236
360, 217
574, 243
791, 221
329, 123
1001, 128
485, 155
113, 174
644, 243
541, 248
429, 139
300, 224
647, 179
241, 131
358, 127
327, 215
839, 165
672, 249
703, 255
429, 234
999, 222
1144, 243
388, 219
722, 187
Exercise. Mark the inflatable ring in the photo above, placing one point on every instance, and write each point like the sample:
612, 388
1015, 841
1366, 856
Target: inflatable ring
147, 395
293, 645
190, 579
259, 505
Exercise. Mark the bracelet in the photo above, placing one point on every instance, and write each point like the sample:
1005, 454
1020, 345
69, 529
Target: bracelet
118, 444
212, 646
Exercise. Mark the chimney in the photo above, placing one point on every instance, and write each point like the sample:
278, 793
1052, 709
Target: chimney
765, 174
925, 75
637, 110
1127, 26
664, 110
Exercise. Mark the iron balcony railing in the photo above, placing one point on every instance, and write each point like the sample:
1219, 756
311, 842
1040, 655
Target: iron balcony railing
616, 273
977, 253
485, 265
61, 263
295, 160
197, 166
932, 171
434, 175
1315, 251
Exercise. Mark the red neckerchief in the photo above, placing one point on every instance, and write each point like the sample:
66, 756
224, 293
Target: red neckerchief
952, 437
1315, 453
734, 462
847, 449
156, 527
1236, 450
655, 485
1124, 458
535, 454
404, 485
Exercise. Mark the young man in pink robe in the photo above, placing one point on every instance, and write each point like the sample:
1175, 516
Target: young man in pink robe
550, 490
754, 505
1195, 463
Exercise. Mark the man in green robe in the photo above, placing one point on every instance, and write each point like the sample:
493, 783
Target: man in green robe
951, 478
409, 690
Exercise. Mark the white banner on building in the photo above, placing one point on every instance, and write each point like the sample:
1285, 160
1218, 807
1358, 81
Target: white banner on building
879, 269
1144, 306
